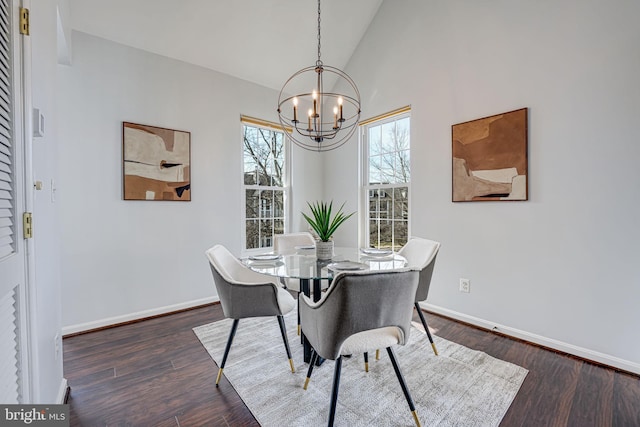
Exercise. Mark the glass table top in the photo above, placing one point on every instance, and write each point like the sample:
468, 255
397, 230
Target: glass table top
303, 264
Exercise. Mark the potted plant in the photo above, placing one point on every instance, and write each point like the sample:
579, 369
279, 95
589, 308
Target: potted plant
325, 225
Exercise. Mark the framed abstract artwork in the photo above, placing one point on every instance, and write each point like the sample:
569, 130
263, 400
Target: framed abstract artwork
156, 163
490, 158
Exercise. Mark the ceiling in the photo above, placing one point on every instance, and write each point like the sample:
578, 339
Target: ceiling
262, 41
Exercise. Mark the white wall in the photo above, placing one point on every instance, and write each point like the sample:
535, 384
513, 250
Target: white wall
127, 259
45, 327
559, 269
562, 268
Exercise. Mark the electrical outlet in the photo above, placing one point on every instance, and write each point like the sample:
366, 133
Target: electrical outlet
465, 285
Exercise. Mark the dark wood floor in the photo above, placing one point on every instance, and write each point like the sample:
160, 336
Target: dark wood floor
156, 373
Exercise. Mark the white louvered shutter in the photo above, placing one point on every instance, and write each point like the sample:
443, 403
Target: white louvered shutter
9, 381
10, 389
7, 211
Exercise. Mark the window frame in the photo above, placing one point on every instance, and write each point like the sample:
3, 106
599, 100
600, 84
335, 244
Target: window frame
365, 187
286, 184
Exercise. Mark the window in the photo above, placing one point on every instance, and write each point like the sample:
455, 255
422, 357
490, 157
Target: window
264, 182
387, 179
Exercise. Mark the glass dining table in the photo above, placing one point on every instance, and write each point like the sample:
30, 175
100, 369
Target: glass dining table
303, 265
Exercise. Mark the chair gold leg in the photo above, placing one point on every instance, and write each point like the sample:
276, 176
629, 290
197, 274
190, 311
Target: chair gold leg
403, 385
378, 354
232, 333
219, 376
416, 419
283, 332
298, 329
366, 367
426, 328
312, 362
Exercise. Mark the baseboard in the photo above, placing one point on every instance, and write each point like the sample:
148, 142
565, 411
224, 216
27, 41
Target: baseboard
571, 349
110, 321
63, 391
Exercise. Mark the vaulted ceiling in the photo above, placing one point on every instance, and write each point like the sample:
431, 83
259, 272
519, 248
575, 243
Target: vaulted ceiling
262, 41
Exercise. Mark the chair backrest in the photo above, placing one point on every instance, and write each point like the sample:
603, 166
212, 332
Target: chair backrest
357, 302
421, 255
242, 292
286, 243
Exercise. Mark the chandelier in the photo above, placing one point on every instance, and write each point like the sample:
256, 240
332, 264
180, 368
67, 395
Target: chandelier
317, 120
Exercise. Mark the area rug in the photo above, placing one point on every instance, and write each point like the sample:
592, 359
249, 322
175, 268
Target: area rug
460, 387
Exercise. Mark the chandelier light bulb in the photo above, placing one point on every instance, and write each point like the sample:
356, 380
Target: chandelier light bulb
315, 103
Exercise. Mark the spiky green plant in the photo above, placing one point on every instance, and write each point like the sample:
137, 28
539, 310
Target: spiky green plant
322, 223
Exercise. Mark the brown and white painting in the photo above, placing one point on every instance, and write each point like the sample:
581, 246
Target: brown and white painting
156, 163
490, 158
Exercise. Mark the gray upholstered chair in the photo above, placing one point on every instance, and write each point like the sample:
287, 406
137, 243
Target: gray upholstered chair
285, 244
360, 312
244, 293
421, 255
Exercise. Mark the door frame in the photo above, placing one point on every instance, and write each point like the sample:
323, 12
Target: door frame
23, 131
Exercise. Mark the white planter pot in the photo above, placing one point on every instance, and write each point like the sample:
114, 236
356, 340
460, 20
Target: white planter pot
324, 250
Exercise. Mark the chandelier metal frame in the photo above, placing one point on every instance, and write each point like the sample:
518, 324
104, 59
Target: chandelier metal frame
321, 131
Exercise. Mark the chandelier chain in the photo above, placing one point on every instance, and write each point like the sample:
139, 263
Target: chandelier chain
319, 61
